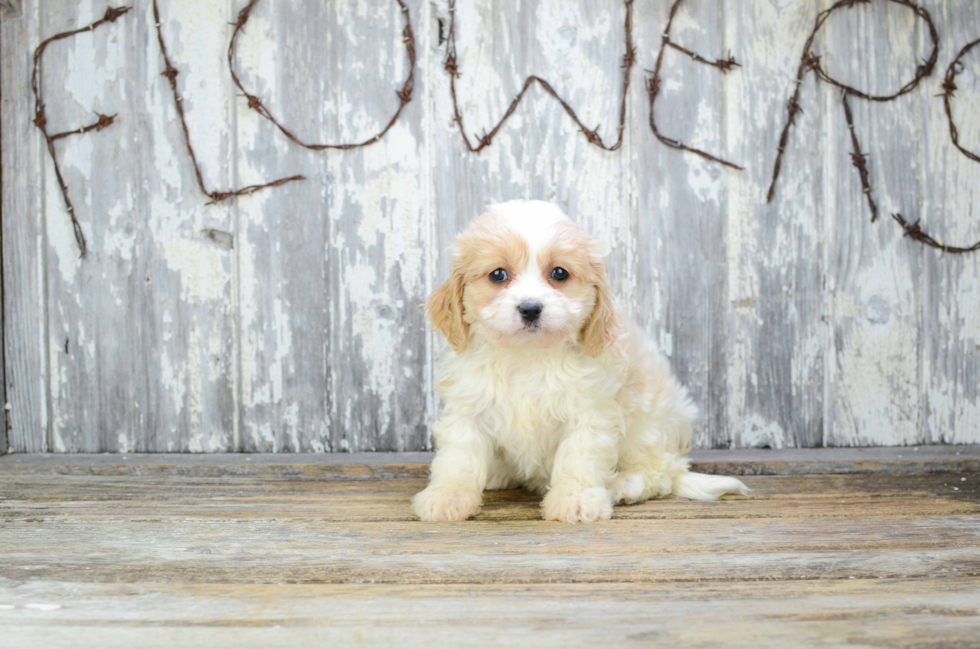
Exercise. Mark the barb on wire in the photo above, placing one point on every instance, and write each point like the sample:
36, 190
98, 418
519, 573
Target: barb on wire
41, 121
654, 81
171, 73
859, 159
811, 62
404, 93
913, 231
452, 66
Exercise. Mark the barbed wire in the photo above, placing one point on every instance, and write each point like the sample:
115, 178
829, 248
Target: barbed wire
913, 230
452, 66
653, 87
256, 104
808, 62
171, 73
41, 120
811, 62
949, 87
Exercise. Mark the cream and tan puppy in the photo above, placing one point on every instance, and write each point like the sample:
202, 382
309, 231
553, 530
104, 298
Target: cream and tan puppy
545, 387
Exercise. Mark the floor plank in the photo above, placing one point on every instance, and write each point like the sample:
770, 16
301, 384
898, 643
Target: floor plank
275, 557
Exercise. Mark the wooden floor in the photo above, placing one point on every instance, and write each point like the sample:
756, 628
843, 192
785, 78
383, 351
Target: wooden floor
171, 551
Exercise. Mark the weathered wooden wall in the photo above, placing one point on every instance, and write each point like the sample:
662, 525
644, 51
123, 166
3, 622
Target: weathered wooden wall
299, 328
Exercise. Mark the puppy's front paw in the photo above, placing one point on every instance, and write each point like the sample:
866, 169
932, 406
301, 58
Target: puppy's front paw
445, 504
583, 506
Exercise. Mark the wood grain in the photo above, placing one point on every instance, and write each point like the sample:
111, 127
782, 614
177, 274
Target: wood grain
950, 356
874, 275
25, 344
681, 274
290, 320
883, 560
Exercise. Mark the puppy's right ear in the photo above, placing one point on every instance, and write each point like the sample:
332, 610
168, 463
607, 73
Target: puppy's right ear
445, 309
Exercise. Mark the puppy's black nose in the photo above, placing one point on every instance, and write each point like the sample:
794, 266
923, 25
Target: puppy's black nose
530, 311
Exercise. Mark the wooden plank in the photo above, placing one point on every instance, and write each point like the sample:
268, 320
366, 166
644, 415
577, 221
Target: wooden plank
332, 270
234, 530
350, 498
681, 268
257, 560
353, 466
775, 373
873, 272
950, 357
6, 13
761, 614
93, 382
25, 362
186, 274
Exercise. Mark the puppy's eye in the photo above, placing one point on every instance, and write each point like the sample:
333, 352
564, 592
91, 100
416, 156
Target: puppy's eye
498, 276
559, 274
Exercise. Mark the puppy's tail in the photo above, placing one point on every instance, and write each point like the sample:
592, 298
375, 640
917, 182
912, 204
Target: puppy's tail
701, 486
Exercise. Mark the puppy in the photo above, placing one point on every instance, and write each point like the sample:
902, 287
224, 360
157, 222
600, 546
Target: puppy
545, 387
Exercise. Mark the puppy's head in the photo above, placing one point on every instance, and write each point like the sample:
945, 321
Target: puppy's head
524, 274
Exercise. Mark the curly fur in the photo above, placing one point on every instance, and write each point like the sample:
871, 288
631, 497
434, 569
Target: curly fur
577, 405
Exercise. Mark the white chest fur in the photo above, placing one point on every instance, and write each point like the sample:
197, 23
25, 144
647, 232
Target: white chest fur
525, 400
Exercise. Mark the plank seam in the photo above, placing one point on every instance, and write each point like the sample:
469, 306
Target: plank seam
5, 424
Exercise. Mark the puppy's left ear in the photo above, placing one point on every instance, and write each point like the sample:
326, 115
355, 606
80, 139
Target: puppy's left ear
602, 326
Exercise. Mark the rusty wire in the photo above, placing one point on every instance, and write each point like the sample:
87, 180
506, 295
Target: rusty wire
171, 73
949, 87
810, 61
452, 66
913, 230
859, 159
41, 122
404, 93
653, 87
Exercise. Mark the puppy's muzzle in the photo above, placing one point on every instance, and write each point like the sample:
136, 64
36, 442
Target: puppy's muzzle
530, 311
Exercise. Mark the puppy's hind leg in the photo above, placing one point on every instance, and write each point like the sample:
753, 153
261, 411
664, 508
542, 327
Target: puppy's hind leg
653, 454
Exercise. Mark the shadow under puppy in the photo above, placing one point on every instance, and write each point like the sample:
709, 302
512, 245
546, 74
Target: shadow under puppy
545, 386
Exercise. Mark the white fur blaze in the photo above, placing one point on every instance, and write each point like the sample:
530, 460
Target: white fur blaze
700, 486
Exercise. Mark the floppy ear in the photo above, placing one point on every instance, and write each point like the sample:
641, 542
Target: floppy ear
445, 309
602, 325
